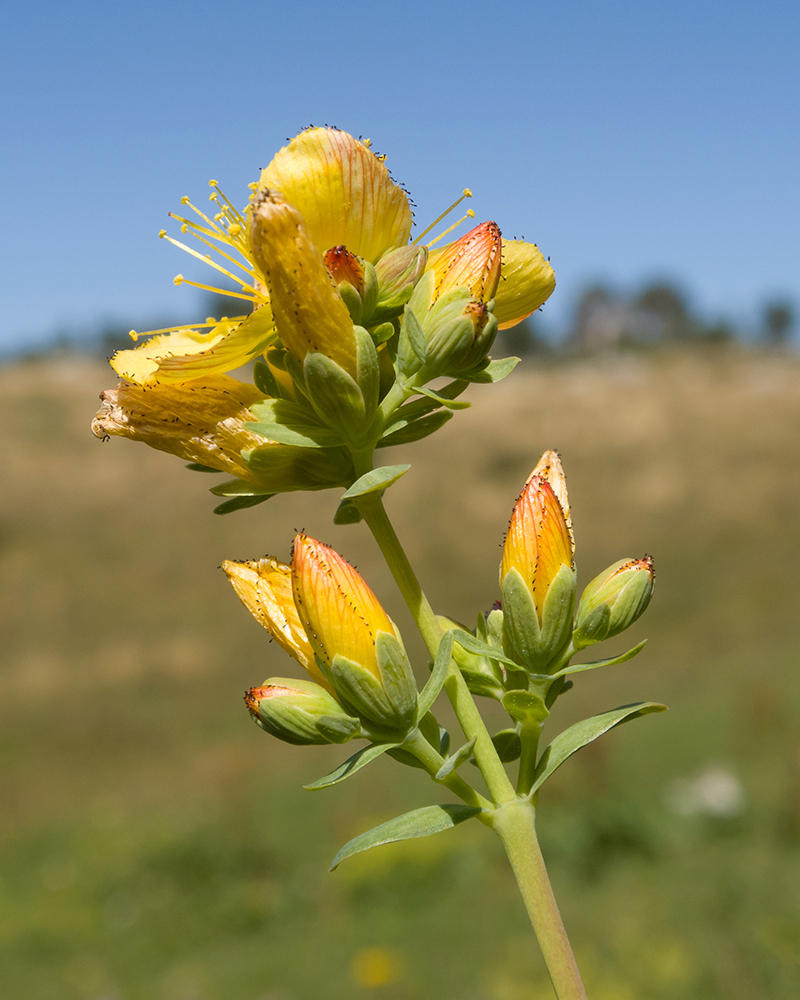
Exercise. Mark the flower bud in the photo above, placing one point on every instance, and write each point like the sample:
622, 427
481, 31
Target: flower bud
471, 262
355, 280
459, 331
264, 586
614, 600
309, 311
353, 636
397, 273
481, 675
537, 577
300, 712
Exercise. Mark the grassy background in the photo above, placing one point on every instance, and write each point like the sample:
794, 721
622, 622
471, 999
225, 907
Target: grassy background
155, 845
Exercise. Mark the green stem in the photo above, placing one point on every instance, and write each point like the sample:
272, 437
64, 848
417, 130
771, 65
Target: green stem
529, 738
433, 760
515, 825
470, 719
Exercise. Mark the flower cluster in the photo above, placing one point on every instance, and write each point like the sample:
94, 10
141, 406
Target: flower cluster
346, 319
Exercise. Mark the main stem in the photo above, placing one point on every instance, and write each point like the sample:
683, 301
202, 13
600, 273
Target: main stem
513, 820
515, 824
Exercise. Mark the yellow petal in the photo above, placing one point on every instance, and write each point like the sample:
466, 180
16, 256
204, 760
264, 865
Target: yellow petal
549, 467
526, 281
309, 311
187, 354
538, 542
472, 261
264, 587
340, 612
343, 191
201, 421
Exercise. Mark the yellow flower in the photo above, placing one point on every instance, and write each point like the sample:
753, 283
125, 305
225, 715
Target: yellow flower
205, 421
340, 612
264, 586
473, 261
343, 191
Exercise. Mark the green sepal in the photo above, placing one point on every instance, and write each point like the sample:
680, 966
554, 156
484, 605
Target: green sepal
381, 333
350, 766
397, 676
417, 823
376, 481
584, 732
239, 488
415, 430
522, 638
436, 735
352, 300
557, 612
593, 627
577, 668
358, 688
239, 503
411, 345
451, 404
368, 375
338, 728
335, 396
369, 297
508, 745
455, 760
264, 380
526, 707
285, 422
197, 467
494, 371
441, 665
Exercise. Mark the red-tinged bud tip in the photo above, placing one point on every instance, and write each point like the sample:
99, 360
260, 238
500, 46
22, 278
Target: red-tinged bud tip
345, 266
473, 261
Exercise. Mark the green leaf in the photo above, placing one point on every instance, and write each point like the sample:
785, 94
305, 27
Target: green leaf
435, 683
525, 706
415, 430
410, 327
197, 467
507, 744
376, 480
417, 823
451, 404
577, 668
455, 760
493, 372
239, 488
584, 732
239, 503
347, 513
350, 766
264, 380
285, 422
473, 645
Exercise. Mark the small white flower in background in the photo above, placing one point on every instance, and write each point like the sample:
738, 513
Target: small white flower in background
713, 791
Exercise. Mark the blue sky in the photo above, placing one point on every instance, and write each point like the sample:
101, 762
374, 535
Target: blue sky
629, 140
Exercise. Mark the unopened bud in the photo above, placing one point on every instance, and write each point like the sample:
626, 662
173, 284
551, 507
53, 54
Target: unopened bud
459, 331
397, 273
481, 675
300, 712
614, 600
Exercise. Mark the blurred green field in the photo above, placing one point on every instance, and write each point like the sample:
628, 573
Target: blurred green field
155, 845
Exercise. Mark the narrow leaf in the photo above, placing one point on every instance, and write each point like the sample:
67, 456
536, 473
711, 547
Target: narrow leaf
474, 645
197, 467
493, 372
507, 744
350, 766
525, 706
430, 692
415, 430
584, 732
576, 668
347, 513
239, 503
417, 823
239, 488
455, 760
376, 480
451, 404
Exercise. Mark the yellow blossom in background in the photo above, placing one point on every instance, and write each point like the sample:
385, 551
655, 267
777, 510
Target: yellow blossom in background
375, 967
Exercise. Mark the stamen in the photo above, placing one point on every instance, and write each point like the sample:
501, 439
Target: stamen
467, 194
211, 246
180, 280
469, 215
173, 329
206, 259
